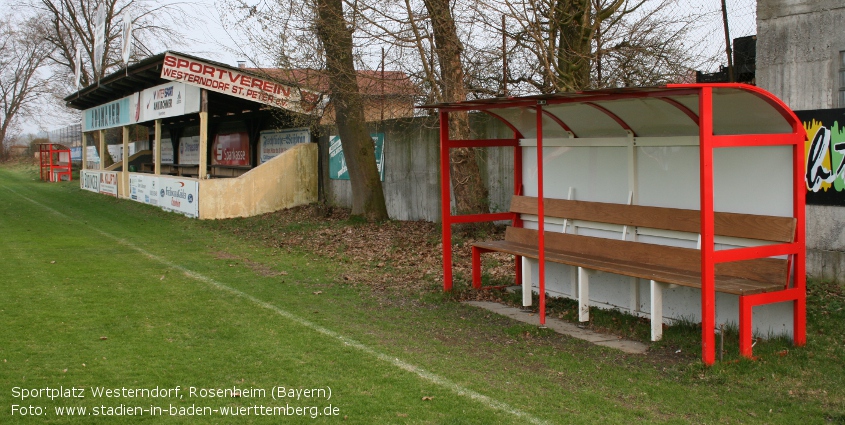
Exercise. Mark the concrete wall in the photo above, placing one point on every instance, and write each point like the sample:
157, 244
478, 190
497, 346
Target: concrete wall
798, 43
286, 181
412, 163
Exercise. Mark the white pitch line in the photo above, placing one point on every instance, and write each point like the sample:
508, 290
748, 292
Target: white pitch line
395, 361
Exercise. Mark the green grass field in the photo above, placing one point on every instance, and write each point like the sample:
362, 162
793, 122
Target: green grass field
104, 293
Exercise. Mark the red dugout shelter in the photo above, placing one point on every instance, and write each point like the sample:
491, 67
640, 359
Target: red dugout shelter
710, 117
54, 162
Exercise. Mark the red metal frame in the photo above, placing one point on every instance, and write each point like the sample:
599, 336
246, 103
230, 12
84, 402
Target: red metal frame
796, 250
446, 143
687, 111
614, 117
541, 221
708, 266
560, 122
52, 168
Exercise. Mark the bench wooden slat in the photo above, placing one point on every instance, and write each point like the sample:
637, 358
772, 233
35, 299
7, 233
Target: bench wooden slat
760, 227
648, 261
723, 283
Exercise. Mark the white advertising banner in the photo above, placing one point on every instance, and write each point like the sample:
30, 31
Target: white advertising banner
93, 156
169, 193
138, 146
108, 183
104, 182
189, 150
235, 83
179, 195
89, 180
271, 143
167, 151
143, 188
116, 152
167, 100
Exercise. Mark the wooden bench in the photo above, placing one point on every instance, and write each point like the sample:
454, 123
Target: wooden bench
661, 264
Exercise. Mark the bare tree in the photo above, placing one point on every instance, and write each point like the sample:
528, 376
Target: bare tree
566, 45
71, 24
22, 54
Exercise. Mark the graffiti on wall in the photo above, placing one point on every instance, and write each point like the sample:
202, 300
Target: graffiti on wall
824, 152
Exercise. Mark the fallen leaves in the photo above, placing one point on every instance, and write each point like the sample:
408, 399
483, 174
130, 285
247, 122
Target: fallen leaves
404, 255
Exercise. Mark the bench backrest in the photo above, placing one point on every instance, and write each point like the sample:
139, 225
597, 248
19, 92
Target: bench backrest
667, 257
748, 226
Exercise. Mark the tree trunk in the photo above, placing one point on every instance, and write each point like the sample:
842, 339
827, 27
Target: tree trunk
358, 148
578, 24
574, 49
470, 192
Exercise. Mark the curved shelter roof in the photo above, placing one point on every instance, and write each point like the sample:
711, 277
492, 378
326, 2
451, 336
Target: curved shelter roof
672, 110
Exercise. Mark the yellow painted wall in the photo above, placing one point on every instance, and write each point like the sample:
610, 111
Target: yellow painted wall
285, 181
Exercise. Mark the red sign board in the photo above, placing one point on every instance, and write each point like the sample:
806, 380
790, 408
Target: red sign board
248, 86
231, 149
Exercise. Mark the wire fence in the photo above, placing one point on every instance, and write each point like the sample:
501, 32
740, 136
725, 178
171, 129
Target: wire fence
70, 136
742, 21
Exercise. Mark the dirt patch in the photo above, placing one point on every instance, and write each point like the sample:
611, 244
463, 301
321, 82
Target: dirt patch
259, 268
394, 256
223, 255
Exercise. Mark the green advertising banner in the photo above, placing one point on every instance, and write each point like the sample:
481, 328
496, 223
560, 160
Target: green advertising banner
337, 163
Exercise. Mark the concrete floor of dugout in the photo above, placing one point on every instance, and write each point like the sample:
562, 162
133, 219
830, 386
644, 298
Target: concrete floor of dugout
564, 328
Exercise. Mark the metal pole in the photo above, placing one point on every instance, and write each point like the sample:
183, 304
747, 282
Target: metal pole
445, 201
504, 60
708, 294
382, 87
728, 43
541, 219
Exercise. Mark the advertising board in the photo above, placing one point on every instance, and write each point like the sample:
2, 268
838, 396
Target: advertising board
109, 115
104, 182
179, 195
337, 162
89, 180
189, 150
248, 86
231, 149
108, 183
116, 152
271, 143
167, 100
143, 188
166, 151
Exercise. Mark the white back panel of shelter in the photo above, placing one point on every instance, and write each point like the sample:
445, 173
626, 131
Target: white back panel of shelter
754, 180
